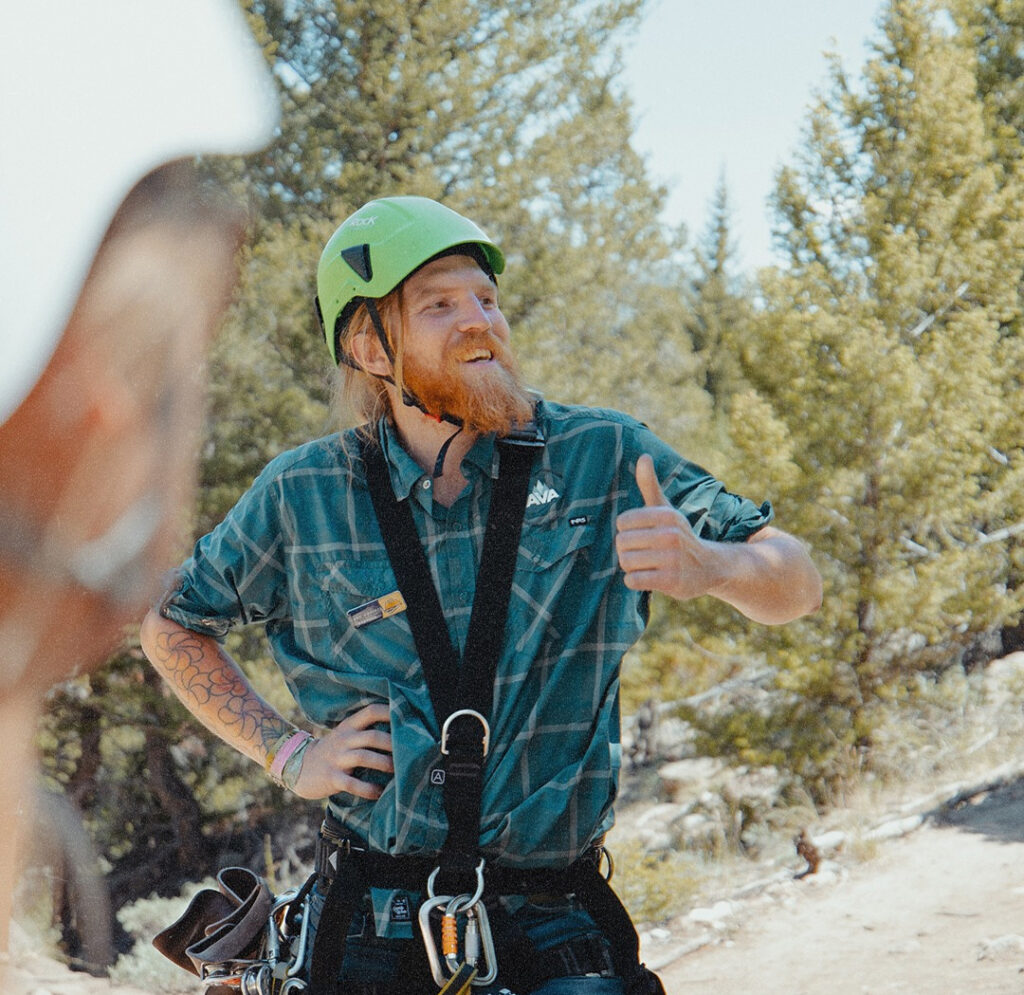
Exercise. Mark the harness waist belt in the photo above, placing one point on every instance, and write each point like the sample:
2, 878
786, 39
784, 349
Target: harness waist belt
410, 873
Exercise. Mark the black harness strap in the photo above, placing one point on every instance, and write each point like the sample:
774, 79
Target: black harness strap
453, 688
606, 909
465, 745
341, 903
423, 606
460, 694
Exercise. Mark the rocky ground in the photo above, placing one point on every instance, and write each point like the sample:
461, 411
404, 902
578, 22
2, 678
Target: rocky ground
937, 907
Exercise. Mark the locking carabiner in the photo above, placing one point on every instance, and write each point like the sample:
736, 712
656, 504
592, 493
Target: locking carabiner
477, 939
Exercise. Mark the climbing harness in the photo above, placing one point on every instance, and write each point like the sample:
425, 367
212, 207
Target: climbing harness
461, 695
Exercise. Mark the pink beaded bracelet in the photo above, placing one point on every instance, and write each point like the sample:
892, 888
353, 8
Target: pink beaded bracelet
276, 768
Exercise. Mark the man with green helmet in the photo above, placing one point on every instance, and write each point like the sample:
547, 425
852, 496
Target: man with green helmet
448, 591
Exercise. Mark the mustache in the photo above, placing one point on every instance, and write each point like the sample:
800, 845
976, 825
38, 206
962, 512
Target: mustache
483, 342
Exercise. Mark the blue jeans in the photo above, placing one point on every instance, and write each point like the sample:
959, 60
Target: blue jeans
372, 963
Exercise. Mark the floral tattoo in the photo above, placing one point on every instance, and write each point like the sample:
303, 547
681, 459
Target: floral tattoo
218, 691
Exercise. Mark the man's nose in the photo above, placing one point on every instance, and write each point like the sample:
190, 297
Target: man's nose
473, 316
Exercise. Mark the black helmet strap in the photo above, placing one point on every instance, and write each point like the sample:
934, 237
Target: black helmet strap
378, 327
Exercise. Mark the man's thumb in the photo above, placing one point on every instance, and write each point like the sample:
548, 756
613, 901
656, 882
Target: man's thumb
647, 481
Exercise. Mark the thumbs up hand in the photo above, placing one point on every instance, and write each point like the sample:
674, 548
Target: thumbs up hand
657, 549
647, 481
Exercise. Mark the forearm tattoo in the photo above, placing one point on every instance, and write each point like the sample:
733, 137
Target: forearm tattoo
215, 691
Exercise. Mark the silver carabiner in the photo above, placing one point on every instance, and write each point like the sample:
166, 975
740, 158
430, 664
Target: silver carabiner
298, 956
477, 940
487, 945
476, 912
429, 943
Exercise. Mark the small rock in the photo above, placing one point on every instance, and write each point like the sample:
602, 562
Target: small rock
895, 828
829, 843
1001, 946
683, 778
715, 917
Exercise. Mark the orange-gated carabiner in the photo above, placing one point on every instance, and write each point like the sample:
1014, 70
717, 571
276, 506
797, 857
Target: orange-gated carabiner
450, 962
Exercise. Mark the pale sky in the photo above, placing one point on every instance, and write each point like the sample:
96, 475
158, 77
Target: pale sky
732, 80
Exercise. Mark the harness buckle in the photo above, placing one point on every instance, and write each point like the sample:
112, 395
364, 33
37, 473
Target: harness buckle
455, 715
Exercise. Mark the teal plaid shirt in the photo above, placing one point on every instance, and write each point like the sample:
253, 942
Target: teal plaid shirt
302, 549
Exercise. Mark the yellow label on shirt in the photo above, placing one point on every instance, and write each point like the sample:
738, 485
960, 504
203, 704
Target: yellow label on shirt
372, 611
392, 604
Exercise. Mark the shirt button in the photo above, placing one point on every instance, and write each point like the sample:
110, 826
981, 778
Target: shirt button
426, 484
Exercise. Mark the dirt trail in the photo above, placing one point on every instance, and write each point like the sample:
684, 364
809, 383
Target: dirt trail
939, 911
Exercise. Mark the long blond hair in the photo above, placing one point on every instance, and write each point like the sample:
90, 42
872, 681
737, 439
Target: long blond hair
359, 397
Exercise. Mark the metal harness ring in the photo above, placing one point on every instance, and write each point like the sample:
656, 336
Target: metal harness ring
455, 715
477, 895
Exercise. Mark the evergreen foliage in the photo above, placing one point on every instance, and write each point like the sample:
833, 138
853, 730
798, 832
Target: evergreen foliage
883, 399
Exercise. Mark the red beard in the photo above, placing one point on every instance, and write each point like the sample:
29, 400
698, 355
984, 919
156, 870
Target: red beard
486, 397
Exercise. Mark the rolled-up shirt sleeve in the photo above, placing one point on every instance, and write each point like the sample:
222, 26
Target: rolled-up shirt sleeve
236, 573
713, 512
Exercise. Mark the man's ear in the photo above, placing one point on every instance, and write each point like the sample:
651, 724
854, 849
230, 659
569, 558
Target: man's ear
367, 351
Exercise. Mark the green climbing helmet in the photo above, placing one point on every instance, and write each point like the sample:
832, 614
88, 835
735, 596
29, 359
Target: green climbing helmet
376, 248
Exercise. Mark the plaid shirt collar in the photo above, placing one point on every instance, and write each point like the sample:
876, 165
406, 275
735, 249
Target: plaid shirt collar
406, 473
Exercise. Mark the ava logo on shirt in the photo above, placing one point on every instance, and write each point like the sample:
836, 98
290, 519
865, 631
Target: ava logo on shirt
541, 495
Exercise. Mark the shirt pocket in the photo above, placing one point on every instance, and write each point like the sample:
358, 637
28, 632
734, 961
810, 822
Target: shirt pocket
555, 570
368, 626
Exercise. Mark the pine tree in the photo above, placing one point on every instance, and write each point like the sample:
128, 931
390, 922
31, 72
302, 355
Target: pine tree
721, 307
996, 31
886, 382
